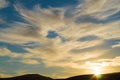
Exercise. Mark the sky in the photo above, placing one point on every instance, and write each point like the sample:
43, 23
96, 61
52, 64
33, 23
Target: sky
59, 38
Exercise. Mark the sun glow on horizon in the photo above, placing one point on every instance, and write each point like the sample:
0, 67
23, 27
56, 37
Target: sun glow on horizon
97, 70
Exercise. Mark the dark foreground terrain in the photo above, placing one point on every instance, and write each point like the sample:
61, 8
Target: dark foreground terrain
112, 76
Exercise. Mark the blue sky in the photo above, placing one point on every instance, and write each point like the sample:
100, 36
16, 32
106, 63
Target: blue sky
56, 37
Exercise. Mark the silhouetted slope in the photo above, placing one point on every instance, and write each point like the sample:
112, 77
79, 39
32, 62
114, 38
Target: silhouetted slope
28, 77
82, 77
113, 76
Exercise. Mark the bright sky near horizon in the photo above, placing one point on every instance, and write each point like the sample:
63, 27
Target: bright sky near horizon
59, 38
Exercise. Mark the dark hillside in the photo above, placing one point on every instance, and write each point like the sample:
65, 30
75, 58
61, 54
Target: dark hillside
112, 76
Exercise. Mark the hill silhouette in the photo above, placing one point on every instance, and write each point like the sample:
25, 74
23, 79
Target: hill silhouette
112, 76
28, 77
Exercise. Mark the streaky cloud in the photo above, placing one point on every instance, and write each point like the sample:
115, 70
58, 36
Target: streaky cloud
3, 4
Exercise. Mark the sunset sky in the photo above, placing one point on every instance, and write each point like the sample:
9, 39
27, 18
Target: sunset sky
59, 38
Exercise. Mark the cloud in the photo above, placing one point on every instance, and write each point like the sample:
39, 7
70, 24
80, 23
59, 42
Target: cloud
98, 9
18, 32
54, 57
42, 21
80, 37
7, 52
21, 72
117, 45
30, 61
42, 17
103, 63
15, 56
3, 75
111, 62
106, 65
2, 21
3, 3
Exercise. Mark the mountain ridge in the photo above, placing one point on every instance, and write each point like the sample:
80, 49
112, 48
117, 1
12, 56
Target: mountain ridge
110, 76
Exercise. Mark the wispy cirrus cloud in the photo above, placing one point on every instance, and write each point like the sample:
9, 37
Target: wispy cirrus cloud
105, 64
100, 10
78, 38
3, 3
17, 57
